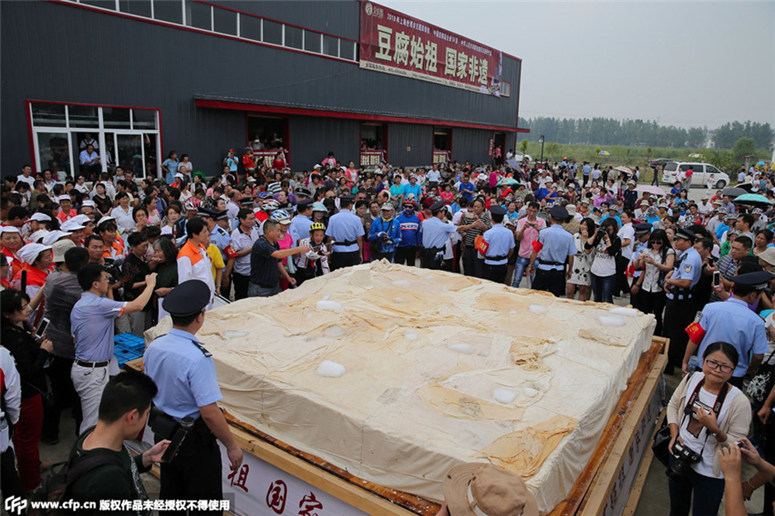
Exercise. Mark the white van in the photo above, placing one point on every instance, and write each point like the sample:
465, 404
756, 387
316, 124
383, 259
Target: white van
703, 174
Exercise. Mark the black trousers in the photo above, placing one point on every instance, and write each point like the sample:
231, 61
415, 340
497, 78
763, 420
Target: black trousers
496, 273
678, 315
240, 286
342, 260
406, 255
195, 472
622, 286
472, 265
653, 303
550, 281
64, 395
428, 259
10, 483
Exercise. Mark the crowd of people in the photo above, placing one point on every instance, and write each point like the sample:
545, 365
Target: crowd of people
89, 260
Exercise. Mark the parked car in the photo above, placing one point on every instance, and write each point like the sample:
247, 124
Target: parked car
654, 163
703, 172
522, 157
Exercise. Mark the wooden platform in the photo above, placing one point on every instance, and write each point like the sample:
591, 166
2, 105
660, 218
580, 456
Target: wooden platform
589, 495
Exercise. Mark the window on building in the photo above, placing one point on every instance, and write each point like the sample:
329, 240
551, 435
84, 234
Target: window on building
225, 21
267, 137
373, 143
442, 145
120, 135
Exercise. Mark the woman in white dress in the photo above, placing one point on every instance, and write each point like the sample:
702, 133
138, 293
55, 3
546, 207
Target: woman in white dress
580, 279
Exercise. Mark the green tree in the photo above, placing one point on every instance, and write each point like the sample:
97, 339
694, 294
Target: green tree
523, 146
744, 147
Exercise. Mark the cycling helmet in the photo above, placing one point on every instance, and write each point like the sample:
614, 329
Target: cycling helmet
270, 205
317, 226
319, 206
281, 216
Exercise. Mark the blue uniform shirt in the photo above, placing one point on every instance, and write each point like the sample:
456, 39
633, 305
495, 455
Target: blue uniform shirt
391, 228
220, 237
501, 241
435, 233
733, 322
92, 323
558, 244
345, 226
185, 376
688, 265
299, 228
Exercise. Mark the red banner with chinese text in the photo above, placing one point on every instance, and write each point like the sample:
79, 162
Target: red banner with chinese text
395, 43
371, 158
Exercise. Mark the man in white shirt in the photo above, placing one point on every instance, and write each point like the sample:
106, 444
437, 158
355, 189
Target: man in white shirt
627, 235
26, 176
90, 162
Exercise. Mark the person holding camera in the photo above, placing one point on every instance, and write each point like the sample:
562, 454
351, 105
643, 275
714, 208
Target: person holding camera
607, 246
384, 234
704, 413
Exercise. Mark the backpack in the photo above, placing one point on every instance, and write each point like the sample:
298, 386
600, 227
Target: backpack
56, 486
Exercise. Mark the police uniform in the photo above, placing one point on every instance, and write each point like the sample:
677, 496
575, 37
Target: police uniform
556, 245
300, 224
641, 230
435, 233
501, 243
680, 306
345, 228
185, 375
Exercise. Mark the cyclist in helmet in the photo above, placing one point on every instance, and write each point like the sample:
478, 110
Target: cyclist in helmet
315, 262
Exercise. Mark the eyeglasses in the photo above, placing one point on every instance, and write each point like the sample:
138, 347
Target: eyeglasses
724, 368
655, 241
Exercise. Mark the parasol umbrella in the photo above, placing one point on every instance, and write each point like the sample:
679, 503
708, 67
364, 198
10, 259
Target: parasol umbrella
733, 191
754, 199
746, 186
622, 168
513, 164
605, 153
508, 181
760, 164
655, 190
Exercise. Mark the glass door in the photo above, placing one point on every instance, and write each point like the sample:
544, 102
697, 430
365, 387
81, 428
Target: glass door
130, 153
52, 150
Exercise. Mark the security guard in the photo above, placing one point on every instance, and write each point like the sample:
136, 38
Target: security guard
188, 388
553, 248
642, 234
218, 235
346, 229
435, 232
500, 247
679, 285
301, 222
733, 322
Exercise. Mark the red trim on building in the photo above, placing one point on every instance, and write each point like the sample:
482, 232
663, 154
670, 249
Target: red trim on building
261, 108
200, 31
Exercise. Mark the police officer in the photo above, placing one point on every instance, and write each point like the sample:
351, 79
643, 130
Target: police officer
346, 230
188, 388
301, 222
733, 322
435, 232
500, 246
553, 249
679, 285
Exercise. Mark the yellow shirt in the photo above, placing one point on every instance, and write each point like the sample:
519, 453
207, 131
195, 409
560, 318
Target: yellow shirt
216, 259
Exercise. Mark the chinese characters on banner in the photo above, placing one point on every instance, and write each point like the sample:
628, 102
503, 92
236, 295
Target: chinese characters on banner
440, 157
393, 42
260, 489
371, 158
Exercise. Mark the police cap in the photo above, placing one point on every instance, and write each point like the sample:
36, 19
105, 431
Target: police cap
347, 198
304, 203
758, 280
188, 298
685, 234
437, 207
558, 213
642, 228
221, 215
205, 212
497, 210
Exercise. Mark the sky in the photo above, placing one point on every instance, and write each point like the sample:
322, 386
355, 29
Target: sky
689, 64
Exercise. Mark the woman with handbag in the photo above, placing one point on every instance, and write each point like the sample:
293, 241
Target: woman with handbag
657, 260
704, 413
30, 356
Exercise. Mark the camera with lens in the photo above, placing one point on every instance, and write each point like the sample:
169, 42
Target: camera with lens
684, 458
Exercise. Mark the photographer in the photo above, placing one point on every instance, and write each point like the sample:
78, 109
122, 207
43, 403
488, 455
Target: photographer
607, 247
736, 491
385, 232
704, 412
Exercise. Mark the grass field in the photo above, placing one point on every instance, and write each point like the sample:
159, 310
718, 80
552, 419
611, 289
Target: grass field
637, 156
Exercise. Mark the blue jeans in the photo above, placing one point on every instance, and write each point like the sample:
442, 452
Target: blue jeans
707, 494
603, 288
519, 271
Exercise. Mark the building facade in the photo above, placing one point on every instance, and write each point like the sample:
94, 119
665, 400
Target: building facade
141, 78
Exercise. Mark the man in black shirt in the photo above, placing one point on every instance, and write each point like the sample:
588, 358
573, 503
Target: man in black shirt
113, 473
265, 262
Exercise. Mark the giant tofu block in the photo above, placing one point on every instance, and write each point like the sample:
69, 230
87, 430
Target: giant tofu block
422, 370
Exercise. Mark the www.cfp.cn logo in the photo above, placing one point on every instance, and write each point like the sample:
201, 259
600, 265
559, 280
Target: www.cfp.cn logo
16, 504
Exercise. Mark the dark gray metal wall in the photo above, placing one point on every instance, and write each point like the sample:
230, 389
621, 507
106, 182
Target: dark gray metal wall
311, 139
57, 52
410, 144
470, 145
